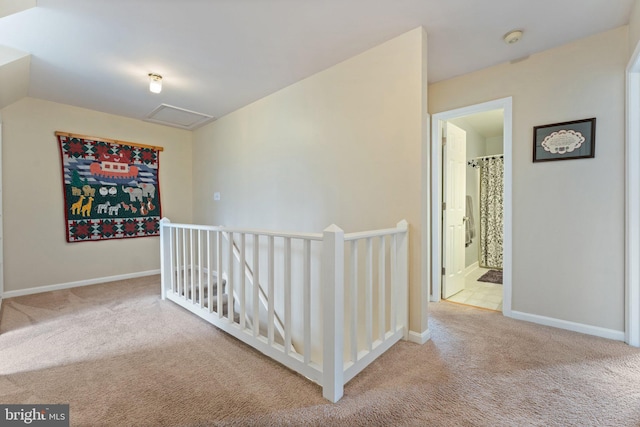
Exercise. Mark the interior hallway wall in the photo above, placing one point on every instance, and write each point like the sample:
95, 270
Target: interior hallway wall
634, 27
342, 146
494, 145
568, 216
36, 251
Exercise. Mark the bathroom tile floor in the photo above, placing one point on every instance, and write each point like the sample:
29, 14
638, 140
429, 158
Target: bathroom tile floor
479, 294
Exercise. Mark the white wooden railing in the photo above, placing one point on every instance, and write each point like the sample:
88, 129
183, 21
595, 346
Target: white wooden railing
285, 293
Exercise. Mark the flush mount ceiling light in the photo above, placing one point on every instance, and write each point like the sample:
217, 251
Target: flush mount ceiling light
512, 37
155, 83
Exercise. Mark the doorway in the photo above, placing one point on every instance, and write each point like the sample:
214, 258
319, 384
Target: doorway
467, 243
632, 180
472, 258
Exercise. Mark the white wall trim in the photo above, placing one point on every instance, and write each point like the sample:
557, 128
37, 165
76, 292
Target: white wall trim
470, 269
436, 194
48, 288
419, 337
570, 326
632, 201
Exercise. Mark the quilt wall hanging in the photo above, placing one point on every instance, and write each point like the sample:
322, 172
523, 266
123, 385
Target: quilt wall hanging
111, 188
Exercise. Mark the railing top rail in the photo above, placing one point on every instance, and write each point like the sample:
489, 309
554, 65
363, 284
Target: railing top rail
189, 226
293, 235
373, 233
287, 234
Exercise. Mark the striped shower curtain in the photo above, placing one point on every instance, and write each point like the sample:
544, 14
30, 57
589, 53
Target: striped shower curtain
491, 211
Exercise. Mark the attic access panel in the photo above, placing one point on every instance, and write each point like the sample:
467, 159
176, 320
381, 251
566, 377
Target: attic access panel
178, 117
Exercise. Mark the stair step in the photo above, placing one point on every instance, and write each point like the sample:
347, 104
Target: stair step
214, 299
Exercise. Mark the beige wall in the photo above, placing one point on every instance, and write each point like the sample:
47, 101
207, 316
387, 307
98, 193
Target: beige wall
634, 27
343, 147
36, 252
14, 75
568, 216
9, 7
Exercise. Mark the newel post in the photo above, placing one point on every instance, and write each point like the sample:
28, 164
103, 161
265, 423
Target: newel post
165, 256
402, 259
332, 278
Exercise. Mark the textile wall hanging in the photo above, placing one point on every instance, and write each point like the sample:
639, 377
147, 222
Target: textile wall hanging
110, 188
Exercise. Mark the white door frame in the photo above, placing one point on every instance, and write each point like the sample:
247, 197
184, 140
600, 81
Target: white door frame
1, 221
632, 252
436, 194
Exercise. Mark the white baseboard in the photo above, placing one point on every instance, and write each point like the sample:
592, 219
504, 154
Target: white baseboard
419, 337
48, 288
570, 326
471, 268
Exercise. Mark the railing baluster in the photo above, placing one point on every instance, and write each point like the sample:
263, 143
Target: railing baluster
306, 286
241, 291
200, 266
287, 295
219, 287
175, 261
165, 258
209, 274
192, 270
394, 282
270, 308
369, 294
382, 288
172, 251
354, 300
256, 284
176, 243
184, 265
230, 305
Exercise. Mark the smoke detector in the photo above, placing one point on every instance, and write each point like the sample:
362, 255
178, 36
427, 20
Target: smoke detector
512, 37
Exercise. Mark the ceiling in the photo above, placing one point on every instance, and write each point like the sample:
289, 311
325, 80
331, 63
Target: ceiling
487, 124
219, 55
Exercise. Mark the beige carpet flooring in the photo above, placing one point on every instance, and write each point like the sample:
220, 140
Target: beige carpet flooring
122, 357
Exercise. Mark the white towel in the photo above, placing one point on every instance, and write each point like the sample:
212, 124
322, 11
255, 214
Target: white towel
469, 225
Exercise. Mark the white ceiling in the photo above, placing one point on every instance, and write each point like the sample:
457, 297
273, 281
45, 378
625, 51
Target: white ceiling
219, 55
487, 124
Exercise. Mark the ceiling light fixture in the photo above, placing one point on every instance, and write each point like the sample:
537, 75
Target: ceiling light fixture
155, 83
512, 37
